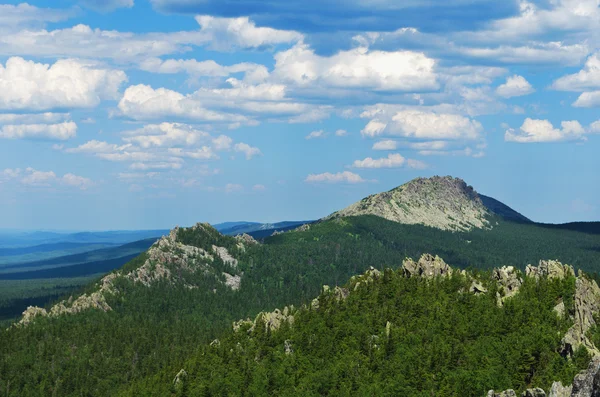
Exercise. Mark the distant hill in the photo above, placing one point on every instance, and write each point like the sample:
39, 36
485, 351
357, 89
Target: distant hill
234, 228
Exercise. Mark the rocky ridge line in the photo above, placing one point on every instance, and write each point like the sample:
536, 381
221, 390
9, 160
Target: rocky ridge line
164, 259
509, 279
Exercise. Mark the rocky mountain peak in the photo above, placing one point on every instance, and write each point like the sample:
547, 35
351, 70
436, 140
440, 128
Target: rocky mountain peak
444, 202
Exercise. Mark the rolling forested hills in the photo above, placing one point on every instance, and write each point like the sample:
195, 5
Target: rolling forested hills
139, 326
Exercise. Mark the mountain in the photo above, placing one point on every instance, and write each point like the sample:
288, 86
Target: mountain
443, 202
137, 327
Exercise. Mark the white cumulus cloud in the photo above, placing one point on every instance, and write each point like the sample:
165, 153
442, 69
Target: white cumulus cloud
387, 144
425, 125
515, 86
248, 150
225, 34
357, 68
340, 177
60, 132
394, 160
543, 131
68, 83
586, 79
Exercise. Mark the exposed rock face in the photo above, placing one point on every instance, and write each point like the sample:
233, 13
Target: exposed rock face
166, 260
537, 392
302, 228
427, 266
224, 255
587, 383
587, 303
508, 279
275, 319
550, 269
443, 202
245, 240
477, 288
232, 282
31, 313
558, 390
179, 380
506, 393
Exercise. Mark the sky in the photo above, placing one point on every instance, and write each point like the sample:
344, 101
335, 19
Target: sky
143, 114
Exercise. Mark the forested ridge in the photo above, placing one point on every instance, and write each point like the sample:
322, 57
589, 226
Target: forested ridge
153, 331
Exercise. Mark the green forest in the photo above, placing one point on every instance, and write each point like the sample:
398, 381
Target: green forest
153, 332
395, 336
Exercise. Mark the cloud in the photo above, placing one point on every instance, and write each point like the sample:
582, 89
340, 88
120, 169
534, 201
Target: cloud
259, 188
203, 153
515, 86
76, 181
225, 34
36, 178
107, 5
33, 118
387, 144
588, 100
240, 103
533, 53
391, 161
357, 68
222, 142
233, 187
543, 131
248, 150
60, 132
253, 71
95, 147
155, 166
586, 79
25, 15
316, 134
341, 133
425, 125
340, 177
165, 135
142, 102
27, 85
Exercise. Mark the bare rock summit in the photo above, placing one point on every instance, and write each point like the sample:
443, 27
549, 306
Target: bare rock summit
445, 203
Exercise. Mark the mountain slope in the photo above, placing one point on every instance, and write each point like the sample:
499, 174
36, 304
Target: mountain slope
502, 209
425, 329
443, 202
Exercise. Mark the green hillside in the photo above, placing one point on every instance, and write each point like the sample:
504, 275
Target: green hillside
390, 335
155, 328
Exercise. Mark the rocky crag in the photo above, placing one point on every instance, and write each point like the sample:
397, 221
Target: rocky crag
443, 202
507, 280
167, 260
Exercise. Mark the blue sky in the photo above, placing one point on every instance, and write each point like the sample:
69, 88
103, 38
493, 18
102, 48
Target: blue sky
134, 114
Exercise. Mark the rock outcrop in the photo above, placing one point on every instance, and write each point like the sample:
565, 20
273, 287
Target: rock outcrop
587, 383
427, 266
443, 202
550, 269
587, 303
508, 280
